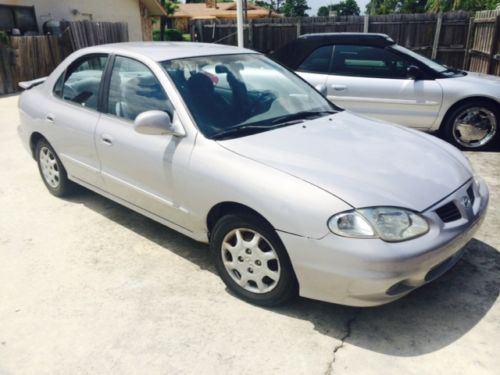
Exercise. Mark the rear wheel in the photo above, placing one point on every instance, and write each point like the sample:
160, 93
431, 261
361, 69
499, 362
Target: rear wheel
473, 125
52, 171
252, 261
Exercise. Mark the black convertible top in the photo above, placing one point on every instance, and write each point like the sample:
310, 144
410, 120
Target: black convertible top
292, 54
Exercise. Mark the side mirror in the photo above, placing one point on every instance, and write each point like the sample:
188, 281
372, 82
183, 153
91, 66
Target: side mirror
414, 72
157, 123
321, 88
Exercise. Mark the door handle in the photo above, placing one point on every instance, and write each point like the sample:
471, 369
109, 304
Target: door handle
106, 139
339, 87
50, 117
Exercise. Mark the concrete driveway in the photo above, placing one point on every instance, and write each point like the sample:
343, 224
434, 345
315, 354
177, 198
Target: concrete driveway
90, 287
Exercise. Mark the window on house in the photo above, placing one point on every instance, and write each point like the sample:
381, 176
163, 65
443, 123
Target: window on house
17, 17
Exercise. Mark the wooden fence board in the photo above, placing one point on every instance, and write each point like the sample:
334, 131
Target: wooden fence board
37, 56
485, 49
415, 31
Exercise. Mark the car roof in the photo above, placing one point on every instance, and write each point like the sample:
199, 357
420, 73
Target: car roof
292, 54
160, 51
357, 38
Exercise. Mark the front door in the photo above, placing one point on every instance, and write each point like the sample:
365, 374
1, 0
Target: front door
139, 168
373, 81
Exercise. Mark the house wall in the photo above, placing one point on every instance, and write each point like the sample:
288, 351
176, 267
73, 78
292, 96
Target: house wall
101, 10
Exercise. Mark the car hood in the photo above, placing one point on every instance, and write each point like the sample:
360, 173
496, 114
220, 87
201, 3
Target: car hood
361, 161
481, 77
477, 82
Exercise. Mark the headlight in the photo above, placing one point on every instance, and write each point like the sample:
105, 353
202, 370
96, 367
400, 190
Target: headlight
388, 223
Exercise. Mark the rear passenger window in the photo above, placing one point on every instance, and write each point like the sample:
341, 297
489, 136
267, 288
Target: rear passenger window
135, 89
318, 61
81, 81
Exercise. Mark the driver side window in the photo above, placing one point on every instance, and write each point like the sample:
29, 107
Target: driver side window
135, 89
81, 81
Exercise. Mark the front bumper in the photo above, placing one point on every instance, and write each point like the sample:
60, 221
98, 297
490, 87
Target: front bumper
369, 272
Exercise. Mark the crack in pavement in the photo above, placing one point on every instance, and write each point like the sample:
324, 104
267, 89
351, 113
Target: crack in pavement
349, 324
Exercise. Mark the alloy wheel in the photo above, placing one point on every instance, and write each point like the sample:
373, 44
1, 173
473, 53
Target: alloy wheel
474, 127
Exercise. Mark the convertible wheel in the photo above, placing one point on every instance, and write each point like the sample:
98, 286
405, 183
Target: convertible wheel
473, 126
252, 261
52, 171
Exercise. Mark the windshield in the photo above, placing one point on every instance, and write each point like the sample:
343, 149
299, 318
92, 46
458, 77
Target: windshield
424, 60
247, 92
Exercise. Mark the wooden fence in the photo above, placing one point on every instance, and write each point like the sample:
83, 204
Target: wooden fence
484, 53
30, 57
444, 36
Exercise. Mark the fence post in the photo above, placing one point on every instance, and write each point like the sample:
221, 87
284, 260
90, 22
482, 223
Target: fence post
435, 45
299, 26
366, 24
191, 31
494, 45
250, 34
468, 41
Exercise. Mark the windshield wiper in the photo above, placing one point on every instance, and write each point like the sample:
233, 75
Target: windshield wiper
248, 129
300, 116
275, 123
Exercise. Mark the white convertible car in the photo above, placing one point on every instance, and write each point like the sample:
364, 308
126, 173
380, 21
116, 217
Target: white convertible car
371, 75
293, 194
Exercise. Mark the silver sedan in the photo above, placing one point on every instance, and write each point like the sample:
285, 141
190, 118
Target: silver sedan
371, 75
294, 195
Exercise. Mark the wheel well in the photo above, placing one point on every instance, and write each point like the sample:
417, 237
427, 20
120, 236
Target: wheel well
225, 208
35, 137
462, 101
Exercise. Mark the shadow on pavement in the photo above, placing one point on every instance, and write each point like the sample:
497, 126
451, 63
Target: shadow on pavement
426, 320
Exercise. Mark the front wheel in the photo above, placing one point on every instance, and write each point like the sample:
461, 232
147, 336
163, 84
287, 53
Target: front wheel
473, 125
252, 261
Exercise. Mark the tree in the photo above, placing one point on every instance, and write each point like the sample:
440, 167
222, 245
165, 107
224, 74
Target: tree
170, 6
434, 6
323, 11
295, 8
375, 7
346, 8
274, 5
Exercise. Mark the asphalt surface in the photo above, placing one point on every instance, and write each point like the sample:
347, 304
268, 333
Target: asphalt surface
90, 287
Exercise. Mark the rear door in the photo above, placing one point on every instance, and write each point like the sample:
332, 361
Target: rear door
72, 117
373, 81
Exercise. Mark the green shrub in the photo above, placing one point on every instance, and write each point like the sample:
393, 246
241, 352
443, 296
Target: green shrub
170, 34
173, 34
4, 39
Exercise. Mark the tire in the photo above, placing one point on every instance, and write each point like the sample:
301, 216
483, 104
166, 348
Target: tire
242, 267
52, 171
473, 125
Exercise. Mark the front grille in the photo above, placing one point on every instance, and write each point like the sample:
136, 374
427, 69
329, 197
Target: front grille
470, 193
449, 212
